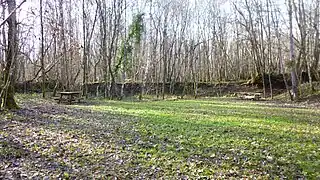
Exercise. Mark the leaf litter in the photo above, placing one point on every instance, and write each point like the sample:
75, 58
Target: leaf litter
46, 140
151, 140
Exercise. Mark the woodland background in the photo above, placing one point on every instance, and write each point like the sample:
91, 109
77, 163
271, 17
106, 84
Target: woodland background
110, 48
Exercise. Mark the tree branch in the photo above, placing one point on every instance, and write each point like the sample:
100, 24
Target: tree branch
4, 21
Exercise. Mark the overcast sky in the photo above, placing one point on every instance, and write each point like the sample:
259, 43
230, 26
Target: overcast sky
25, 17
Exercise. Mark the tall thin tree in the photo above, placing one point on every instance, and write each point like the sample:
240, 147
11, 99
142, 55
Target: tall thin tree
42, 51
293, 67
85, 61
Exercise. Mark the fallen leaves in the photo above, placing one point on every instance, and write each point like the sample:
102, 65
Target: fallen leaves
163, 139
57, 142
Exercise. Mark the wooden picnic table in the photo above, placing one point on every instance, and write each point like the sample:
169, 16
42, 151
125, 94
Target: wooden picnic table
71, 96
250, 95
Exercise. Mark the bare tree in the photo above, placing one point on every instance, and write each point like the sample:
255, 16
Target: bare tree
293, 68
7, 93
42, 51
85, 51
185, 44
316, 46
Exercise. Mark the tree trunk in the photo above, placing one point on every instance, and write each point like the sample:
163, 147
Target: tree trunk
316, 51
293, 68
63, 49
8, 91
164, 51
42, 52
269, 50
84, 60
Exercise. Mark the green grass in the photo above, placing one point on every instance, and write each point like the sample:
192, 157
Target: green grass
221, 138
214, 138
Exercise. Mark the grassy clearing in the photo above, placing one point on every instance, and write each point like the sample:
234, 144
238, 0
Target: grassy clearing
220, 138
216, 138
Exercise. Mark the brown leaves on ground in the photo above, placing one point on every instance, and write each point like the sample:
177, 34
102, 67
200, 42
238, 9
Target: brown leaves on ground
46, 140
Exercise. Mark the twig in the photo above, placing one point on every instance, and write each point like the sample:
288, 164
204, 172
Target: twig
4, 21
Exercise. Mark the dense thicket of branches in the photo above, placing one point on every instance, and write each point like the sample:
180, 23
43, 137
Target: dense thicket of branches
155, 41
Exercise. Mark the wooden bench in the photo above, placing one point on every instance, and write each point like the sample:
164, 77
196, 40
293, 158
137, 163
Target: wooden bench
249, 96
69, 97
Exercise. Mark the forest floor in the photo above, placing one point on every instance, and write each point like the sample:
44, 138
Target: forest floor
215, 138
